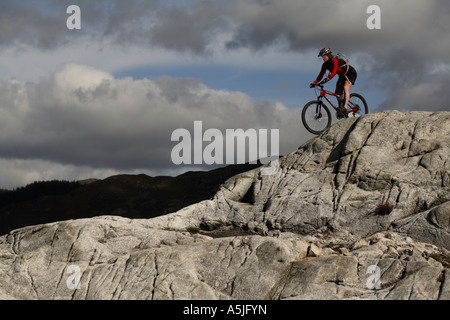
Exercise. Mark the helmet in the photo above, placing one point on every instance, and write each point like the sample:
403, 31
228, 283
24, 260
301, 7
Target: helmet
324, 51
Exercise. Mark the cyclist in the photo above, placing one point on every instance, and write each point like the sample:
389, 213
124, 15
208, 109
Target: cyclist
346, 79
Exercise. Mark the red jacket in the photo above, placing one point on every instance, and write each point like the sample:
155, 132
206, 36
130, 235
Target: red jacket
331, 65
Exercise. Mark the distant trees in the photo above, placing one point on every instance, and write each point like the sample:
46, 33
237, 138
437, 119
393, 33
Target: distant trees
37, 189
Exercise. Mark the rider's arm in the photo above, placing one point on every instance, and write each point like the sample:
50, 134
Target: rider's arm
322, 72
334, 71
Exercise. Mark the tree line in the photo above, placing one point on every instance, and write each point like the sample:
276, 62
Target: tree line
36, 190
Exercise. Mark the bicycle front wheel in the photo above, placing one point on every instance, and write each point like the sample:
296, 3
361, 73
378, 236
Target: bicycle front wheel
316, 117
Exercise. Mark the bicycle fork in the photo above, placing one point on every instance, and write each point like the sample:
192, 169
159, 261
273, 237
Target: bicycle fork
318, 114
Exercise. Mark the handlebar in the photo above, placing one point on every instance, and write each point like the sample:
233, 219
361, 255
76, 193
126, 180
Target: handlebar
320, 84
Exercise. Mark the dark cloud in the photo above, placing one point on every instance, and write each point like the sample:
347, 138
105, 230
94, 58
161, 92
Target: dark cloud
23, 24
189, 27
192, 28
194, 25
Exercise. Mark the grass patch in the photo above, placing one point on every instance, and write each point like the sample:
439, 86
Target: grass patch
193, 230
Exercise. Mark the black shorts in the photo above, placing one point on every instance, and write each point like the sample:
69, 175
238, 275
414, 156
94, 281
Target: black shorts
351, 76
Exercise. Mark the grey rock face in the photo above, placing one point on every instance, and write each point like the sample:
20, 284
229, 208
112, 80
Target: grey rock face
360, 212
340, 179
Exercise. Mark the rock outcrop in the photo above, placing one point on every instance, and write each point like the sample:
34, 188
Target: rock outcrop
360, 212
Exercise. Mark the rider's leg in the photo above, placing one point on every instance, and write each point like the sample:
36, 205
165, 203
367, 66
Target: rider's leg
347, 86
338, 91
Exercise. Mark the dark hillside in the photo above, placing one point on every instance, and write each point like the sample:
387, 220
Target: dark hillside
131, 196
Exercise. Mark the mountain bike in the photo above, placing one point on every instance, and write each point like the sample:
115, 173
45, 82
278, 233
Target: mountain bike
316, 115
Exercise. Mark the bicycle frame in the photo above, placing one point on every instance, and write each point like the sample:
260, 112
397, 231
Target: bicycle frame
324, 94
317, 114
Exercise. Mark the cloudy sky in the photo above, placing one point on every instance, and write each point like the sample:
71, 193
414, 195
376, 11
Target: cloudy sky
105, 99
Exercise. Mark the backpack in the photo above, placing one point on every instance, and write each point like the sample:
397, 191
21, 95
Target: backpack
343, 61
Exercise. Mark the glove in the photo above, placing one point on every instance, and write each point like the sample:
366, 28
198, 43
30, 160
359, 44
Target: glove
312, 85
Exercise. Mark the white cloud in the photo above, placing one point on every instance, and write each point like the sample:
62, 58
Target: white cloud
79, 77
82, 117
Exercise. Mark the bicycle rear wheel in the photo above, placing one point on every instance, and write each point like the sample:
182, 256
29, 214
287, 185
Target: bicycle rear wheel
316, 117
357, 100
